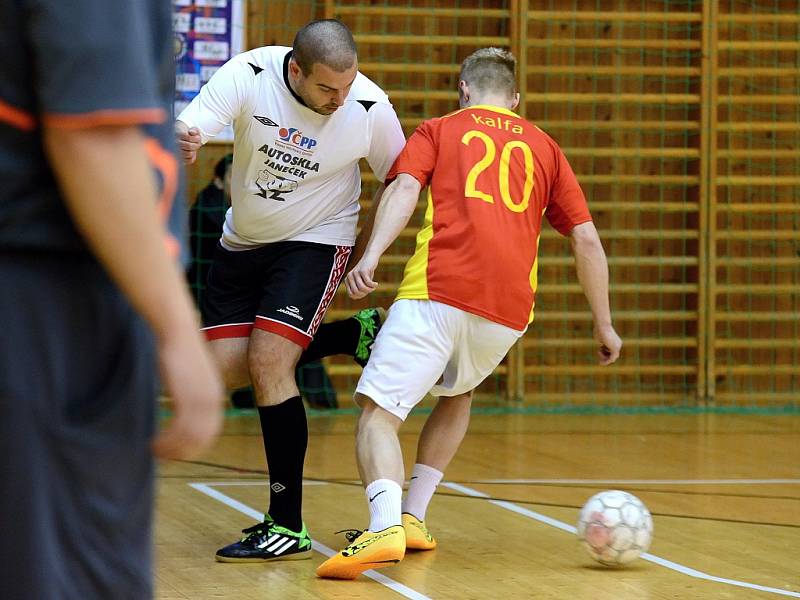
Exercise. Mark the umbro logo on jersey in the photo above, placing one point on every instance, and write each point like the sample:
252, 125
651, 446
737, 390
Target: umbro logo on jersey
277, 487
265, 121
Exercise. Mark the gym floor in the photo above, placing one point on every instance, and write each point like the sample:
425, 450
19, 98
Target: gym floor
724, 491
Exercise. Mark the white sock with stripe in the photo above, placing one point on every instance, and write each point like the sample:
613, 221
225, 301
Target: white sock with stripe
384, 498
421, 488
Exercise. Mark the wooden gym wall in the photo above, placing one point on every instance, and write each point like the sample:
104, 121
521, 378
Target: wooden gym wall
682, 122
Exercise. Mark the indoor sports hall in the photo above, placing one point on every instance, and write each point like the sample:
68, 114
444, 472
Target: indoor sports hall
681, 120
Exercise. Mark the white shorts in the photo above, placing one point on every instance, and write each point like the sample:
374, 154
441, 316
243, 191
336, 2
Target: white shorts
426, 346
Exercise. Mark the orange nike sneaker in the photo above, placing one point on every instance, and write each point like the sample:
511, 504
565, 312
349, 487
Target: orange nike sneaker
366, 550
417, 535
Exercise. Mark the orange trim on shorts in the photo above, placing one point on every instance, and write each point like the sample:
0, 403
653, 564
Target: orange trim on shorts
167, 165
228, 331
133, 116
16, 117
278, 328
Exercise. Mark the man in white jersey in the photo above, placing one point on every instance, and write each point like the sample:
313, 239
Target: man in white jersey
303, 117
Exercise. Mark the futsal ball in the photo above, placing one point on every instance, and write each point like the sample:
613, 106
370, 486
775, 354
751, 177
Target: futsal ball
615, 527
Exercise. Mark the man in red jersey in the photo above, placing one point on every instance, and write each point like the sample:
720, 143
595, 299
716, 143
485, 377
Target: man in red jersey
467, 293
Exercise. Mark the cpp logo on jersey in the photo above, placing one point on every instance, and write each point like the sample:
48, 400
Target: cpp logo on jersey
295, 137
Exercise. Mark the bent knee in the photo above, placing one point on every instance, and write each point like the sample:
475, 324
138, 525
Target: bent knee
364, 402
272, 352
230, 357
374, 414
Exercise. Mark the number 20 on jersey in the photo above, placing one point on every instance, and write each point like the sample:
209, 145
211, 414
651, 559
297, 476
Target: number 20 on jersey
488, 161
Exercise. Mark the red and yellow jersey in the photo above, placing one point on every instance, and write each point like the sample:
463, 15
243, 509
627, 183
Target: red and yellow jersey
492, 176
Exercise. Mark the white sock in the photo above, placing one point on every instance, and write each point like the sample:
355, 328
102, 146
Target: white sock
421, 488
384, 496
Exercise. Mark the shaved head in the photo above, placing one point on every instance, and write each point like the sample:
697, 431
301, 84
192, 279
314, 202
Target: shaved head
490, 70
328, 42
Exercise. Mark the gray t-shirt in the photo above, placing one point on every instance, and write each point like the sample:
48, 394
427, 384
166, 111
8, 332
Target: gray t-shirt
78, 64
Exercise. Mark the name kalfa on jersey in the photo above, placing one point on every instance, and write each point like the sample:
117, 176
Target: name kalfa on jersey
498, 123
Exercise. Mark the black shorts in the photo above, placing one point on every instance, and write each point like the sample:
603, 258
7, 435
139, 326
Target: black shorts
284, 288
77, 413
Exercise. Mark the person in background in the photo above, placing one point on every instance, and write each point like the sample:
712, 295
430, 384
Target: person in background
206, 216
93, 301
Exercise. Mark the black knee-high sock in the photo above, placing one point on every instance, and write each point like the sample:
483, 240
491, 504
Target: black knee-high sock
339, 337
285, 432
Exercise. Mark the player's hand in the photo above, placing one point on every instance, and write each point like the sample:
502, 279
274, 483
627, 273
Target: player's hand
193, 382
610, 344
359, 280
189, 141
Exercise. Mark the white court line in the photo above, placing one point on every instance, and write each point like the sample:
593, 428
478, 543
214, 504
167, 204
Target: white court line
646, 556
396, 586
253, 482
646, 481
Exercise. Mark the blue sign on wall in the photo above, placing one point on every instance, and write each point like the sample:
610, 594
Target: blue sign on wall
207, 33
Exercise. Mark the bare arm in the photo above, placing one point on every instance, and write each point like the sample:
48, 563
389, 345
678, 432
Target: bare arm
592, 267
366, 230
110, 191
395, 209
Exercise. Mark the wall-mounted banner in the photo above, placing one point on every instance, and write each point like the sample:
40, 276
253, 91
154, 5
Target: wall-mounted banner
207, 33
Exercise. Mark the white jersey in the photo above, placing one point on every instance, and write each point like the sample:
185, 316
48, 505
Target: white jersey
295, 172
